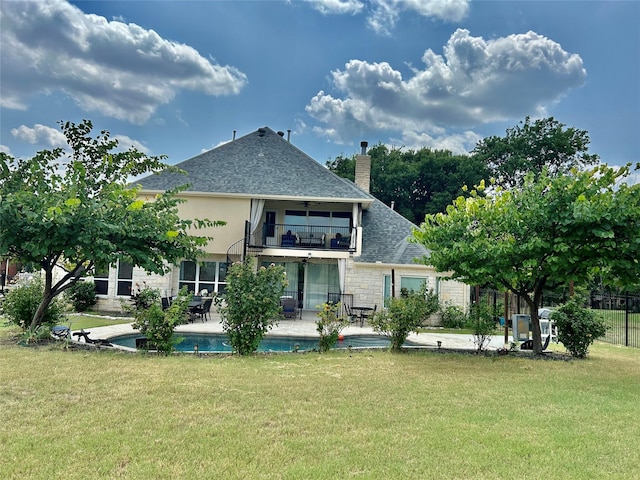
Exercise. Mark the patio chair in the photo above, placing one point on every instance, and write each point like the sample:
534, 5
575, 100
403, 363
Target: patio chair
289, 307
166, 303
203, 310
93, 341
352, 317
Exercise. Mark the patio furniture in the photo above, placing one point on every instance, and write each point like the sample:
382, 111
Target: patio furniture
340, 242
194, 305
166, 303
364, 312
351, 316
289, 307
288, 239
60, 332
94, 341
310, 239
203, 309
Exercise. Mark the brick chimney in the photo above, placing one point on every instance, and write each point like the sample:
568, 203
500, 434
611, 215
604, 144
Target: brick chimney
363, 168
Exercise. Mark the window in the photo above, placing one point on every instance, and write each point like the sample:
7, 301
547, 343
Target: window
410, 284
101, 280
208, 276
125, 278
413, 284
335, 221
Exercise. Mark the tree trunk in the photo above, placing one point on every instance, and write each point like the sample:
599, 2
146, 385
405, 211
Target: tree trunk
42, 309
534, 304
47, 297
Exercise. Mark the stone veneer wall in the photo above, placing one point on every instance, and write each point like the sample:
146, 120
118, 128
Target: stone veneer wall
365, 281
113, 303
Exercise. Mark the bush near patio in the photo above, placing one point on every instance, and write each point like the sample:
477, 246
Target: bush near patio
578, 327
329, 325
404, 315
250, 303
82, 295
157, 324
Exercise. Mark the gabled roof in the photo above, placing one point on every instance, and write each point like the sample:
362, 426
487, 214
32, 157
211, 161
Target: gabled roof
264, 164
385, 237
261, 163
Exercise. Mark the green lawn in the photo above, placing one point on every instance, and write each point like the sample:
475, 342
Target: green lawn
85, 414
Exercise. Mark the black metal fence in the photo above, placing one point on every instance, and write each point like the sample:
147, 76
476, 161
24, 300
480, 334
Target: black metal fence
622, 315
620, 312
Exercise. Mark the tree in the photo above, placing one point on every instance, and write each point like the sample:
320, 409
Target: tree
76, 209
250, 303
549, 232
415, 181
532, 147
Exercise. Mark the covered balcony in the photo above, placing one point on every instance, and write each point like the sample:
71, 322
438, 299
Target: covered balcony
321, 237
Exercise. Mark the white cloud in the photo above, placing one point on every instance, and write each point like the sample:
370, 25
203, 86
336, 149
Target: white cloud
477, 81
125, 143
383, 14
337, 6
458, 144
52, 137
122, 70
6, 150
40, 135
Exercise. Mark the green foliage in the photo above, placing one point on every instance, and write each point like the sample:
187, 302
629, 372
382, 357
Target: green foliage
158, 325
250, 303
453, 316
31, 336
578, 327
550, 231
404, 315
482, 322
77, 206
532, 147
416, 181
329, 325
22, 301
142, 298
82, 295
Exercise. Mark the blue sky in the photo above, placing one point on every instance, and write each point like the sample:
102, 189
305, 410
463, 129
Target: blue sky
177, 78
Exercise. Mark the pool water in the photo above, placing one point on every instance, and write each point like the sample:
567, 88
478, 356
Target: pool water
219, 343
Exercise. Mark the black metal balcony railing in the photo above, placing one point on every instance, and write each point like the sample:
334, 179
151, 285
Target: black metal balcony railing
302, 236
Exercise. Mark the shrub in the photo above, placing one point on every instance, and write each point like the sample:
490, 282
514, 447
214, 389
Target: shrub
483, 324
453, 316
578, 327
404, 315
22, 301
158, 325
250, 303
142, 298
329, 325
82, 295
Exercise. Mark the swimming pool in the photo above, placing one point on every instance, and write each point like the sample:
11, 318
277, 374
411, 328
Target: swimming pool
219, 343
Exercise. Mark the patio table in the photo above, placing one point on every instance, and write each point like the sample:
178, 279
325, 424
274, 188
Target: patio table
363, 312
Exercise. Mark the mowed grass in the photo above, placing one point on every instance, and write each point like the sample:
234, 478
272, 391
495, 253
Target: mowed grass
370, 414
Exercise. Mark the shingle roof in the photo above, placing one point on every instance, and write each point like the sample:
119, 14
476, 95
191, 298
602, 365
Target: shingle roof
264, 163
384, 237
259, 163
